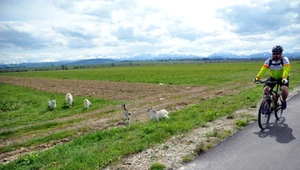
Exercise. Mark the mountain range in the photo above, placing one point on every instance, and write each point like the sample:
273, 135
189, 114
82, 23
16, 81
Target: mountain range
149, 57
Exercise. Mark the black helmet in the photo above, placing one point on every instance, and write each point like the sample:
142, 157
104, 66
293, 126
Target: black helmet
277, 49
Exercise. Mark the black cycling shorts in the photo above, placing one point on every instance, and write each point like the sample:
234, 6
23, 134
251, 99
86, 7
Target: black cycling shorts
273, 85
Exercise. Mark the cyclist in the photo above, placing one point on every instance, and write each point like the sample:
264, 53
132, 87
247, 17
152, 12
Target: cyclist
279, 67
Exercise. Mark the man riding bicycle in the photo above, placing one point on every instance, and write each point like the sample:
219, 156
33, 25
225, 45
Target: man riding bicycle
279, 67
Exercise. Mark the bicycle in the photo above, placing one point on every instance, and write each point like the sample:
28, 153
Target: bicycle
272, 101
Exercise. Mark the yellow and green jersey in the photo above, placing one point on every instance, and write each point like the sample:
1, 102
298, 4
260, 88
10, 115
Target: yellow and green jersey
278, 69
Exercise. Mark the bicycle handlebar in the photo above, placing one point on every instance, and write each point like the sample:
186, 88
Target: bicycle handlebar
268, 81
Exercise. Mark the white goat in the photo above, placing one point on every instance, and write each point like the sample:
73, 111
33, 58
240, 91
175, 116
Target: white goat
158, 114
87, 103
52, 104
69, 99
127, 114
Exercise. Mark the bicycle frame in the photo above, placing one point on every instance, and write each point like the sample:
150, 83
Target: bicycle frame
273, 93
275, 98
269, 104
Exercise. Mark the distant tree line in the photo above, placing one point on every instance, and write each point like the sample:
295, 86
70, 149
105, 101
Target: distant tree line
17, 70
80, 67
64, 67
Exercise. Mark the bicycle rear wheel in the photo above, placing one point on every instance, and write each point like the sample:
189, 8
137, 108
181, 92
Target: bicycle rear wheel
278, 109
264, 114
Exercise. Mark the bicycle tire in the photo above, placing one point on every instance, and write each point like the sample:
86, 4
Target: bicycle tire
278, 109
264, 113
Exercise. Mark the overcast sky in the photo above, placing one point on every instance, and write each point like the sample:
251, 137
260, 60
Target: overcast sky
50, 30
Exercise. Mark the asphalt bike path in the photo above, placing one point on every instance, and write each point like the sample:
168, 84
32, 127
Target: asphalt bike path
275, 148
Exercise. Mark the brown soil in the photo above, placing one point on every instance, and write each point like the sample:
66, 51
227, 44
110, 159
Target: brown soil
159, 96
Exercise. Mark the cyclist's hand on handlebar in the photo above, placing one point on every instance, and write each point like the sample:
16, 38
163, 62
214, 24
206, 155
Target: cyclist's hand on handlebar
256, 79
284, 81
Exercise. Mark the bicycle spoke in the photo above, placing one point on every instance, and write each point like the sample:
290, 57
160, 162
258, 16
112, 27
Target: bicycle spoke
264, 114
278, 108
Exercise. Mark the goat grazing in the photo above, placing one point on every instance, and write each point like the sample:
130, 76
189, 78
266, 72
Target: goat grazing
69, 99
158, 114
52, 104
127, 114
87, 103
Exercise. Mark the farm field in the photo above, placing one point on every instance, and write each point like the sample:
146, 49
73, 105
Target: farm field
199, 94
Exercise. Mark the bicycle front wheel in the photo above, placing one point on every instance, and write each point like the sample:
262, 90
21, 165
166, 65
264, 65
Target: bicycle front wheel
278, 108
264, 114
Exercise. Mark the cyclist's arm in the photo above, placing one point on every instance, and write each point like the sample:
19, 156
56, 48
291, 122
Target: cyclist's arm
286, 68
262, 70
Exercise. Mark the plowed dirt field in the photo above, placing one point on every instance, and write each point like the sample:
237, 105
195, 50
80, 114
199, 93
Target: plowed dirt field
170, 97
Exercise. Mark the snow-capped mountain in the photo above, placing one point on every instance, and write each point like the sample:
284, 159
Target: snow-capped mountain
148, 56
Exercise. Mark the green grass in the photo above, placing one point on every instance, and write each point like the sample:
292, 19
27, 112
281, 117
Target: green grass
24, 112
211, 74
157, 166
23, 106
103, 147
37, 129
241, 123
193, 74
40, 140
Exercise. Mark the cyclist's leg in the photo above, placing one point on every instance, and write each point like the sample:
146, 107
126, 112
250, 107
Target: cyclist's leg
267, 87
284, 93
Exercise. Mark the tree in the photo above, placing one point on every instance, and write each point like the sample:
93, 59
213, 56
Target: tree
64, 67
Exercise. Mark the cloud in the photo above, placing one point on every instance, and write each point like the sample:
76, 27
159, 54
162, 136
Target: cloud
126, 34
179, 30
14, 38
129, 34
75, 38
254, 19
121, 28
72, 33
292, 30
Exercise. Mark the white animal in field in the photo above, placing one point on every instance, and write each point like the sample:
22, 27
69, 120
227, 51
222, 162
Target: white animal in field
87, 103
163, 113
127, 114
52, 104
69, 99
